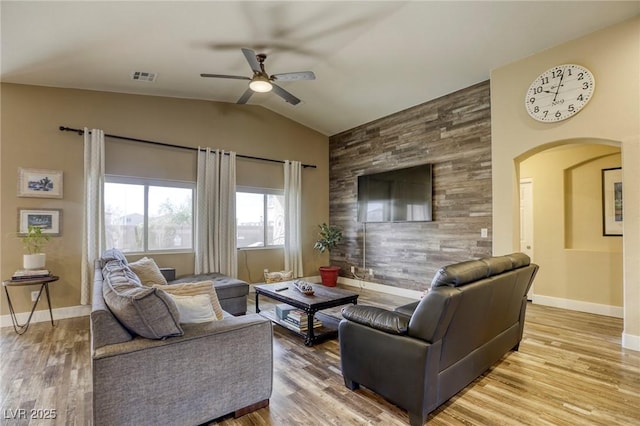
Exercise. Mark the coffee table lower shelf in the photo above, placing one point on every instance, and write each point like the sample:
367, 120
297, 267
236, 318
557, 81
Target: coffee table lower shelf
329, 329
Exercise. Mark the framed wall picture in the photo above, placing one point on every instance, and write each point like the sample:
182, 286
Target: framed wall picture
612, 202
39, 183
47, 219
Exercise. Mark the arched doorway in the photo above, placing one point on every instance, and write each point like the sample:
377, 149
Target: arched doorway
580, 268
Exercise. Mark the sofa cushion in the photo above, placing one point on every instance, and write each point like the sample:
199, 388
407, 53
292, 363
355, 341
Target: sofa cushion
519, 260
145, 311
120, 267
148, 272
112, 254
460, 273
498, 265
192, 289
194, 309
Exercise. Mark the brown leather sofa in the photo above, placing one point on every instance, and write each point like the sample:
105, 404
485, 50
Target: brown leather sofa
420, 355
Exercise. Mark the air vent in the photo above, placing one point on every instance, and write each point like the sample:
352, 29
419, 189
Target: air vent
144, 76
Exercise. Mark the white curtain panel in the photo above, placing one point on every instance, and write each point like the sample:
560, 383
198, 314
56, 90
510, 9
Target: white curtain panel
93, 233
293, 217
215, 234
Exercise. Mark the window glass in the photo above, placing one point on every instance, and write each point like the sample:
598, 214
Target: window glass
250, 219
259, 218
275, 220
124, 216
170, 218
143, 216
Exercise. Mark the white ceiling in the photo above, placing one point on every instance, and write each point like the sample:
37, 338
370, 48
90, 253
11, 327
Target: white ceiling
371, 59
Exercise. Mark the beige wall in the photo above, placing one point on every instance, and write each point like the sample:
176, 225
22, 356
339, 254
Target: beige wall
30, 138
577, 261
613, 55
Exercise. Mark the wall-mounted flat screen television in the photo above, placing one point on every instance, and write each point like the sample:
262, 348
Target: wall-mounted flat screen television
402, 195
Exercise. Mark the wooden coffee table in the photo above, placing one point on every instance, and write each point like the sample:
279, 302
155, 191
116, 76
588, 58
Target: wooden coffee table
323, 298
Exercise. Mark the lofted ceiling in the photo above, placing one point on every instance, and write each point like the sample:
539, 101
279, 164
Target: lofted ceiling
371, 59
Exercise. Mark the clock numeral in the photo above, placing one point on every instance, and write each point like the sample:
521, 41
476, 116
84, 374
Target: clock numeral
556, 73
580, 98
585, 85
569, 73
571, 108
580, 75
536, 109
537, 90
532, 100
545, 113
558, 114
544, 80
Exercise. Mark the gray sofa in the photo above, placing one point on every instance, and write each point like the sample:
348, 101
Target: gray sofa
208, 370
420, 355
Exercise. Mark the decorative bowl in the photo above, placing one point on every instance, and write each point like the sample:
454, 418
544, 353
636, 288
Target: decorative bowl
303, 287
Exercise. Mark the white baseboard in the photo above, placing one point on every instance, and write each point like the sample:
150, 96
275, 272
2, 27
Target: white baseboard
577, 305
630, 341
43, 315
403, 292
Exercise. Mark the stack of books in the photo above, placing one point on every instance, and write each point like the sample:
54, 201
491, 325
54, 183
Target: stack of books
297, 320
30, 274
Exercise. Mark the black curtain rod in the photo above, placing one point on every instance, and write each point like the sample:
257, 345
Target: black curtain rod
249, 157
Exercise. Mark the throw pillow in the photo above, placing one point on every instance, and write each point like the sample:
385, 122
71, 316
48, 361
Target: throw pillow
192, 289
148, 272
194, 309
145, 311
112, 254
276, 277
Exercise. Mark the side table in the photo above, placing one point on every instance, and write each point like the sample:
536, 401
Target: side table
44, 285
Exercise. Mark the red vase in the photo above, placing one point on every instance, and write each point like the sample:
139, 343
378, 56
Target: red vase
329, 275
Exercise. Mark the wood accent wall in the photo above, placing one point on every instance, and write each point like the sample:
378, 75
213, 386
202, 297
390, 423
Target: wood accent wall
454, 134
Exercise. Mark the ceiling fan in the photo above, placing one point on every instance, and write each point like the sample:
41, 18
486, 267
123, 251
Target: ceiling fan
262, 82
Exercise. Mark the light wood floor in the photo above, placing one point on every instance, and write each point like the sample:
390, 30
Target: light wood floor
570, 370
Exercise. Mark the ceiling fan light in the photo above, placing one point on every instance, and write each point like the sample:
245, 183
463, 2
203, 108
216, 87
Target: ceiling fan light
261, 85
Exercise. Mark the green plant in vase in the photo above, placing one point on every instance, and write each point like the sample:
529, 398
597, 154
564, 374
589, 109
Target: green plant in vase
330, 237
33, 242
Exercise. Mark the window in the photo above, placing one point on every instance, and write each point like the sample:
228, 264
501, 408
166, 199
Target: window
143, 215
259, 217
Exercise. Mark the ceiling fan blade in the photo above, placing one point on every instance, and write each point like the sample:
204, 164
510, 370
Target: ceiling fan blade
245, 96
291, 76
285, 95
253, 61
236, 77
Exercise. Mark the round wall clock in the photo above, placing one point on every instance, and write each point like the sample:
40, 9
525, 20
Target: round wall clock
559, 93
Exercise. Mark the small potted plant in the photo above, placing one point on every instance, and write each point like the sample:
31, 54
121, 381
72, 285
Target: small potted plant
34, 241
330, 236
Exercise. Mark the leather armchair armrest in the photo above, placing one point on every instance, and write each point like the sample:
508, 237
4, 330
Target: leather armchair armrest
408, 309
378, 318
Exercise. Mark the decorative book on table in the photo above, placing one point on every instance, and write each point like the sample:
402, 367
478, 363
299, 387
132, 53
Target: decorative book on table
30, 274
282, 310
